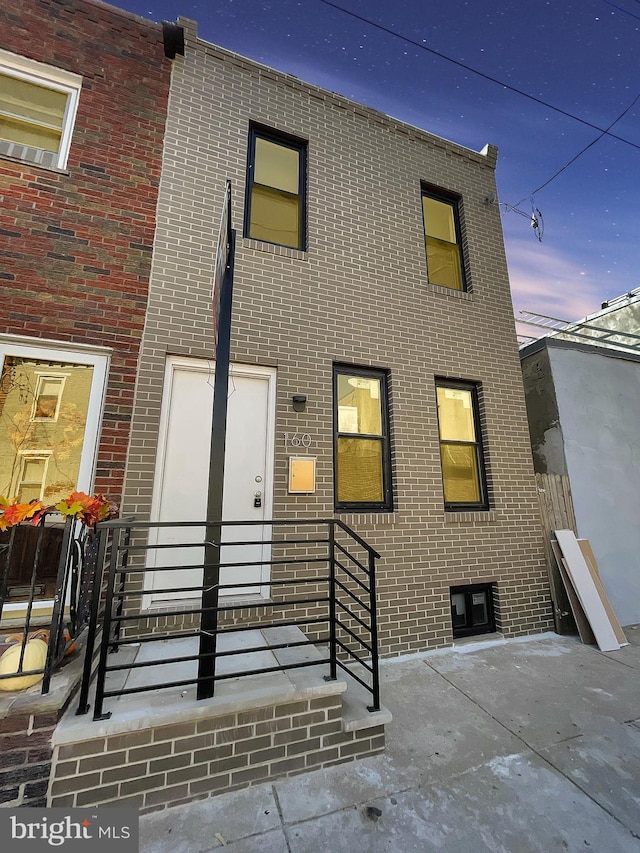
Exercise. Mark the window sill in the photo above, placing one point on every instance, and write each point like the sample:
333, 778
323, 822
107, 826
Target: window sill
486, 516
273, 249
450, 291
30, 163
379, 518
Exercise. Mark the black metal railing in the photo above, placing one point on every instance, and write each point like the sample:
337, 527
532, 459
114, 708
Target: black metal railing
321, 580
46, 586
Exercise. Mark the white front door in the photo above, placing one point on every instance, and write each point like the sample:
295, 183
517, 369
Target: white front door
182, 474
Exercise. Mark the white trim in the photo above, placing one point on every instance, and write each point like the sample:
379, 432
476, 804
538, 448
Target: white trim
174, 363
14, 65
47, 74
52, 343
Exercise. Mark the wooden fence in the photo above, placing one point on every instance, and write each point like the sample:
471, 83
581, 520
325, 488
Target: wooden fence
556, 511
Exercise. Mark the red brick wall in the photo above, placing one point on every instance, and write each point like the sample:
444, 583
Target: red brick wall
25, 758
75, 248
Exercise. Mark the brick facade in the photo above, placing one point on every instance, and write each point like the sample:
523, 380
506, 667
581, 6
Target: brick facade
25, 758
75, 246
165, 765
75, 258
357, 295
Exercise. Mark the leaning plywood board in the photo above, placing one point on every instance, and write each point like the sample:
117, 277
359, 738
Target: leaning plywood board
590, 559
582, 623
587, 592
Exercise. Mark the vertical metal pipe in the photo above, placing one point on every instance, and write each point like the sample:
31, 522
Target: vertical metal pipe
121, 586
106, 627
333, 648
374, 635
4, 587
213, 533
96, 590
57, 615
34, 576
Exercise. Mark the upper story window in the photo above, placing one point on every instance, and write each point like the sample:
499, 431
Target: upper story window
33, 475
48, 394
461, 455
443, 243
38, 106
362, 458
276, 189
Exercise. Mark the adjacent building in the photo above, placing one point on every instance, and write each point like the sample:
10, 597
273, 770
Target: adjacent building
582, 389
83, 99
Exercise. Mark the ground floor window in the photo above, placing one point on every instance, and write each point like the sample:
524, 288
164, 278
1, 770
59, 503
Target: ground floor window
50, 409
463, 475
362, 469
472, 610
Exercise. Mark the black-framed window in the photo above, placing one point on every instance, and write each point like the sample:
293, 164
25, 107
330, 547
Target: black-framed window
275, 207
463, 474
362, 456
441, 216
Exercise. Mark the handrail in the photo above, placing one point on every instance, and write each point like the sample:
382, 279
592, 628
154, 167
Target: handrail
117, 618
70, 579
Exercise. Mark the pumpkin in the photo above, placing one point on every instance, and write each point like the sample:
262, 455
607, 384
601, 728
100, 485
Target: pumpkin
35, 655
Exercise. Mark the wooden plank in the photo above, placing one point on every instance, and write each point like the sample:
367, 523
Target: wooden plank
587, 592
582, 623
568, 502
564, 620
590, 559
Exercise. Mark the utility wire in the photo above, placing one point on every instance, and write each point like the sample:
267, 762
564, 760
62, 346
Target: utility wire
479, 73
580, 153
620, 9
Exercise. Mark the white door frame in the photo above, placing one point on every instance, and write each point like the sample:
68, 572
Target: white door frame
174, 363
99, 358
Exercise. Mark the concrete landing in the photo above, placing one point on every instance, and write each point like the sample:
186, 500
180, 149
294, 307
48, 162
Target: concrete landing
526, 746
235, 693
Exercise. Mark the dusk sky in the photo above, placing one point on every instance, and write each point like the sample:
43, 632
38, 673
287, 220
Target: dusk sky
579, 56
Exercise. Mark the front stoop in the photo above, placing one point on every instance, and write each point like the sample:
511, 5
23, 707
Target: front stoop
164, 748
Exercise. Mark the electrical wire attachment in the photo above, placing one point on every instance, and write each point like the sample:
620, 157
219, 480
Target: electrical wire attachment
535, 217
537, 222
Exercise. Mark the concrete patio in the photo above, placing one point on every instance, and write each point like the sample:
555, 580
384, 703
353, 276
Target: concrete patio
509, 747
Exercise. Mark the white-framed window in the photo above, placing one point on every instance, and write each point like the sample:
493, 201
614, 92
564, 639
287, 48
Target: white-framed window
38, 105
33, 476
47, 397
49, 439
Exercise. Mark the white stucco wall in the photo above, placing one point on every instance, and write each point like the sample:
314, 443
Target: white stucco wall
599, 412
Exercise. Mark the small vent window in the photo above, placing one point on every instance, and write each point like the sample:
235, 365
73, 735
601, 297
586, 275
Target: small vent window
472, 610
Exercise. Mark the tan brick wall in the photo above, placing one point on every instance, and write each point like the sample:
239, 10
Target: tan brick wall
165, 765
359, 295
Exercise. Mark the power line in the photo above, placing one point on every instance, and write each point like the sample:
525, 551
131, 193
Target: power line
479, 73
581, 152
620, 9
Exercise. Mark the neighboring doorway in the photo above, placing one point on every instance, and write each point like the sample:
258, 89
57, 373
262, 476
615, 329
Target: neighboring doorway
182, 470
